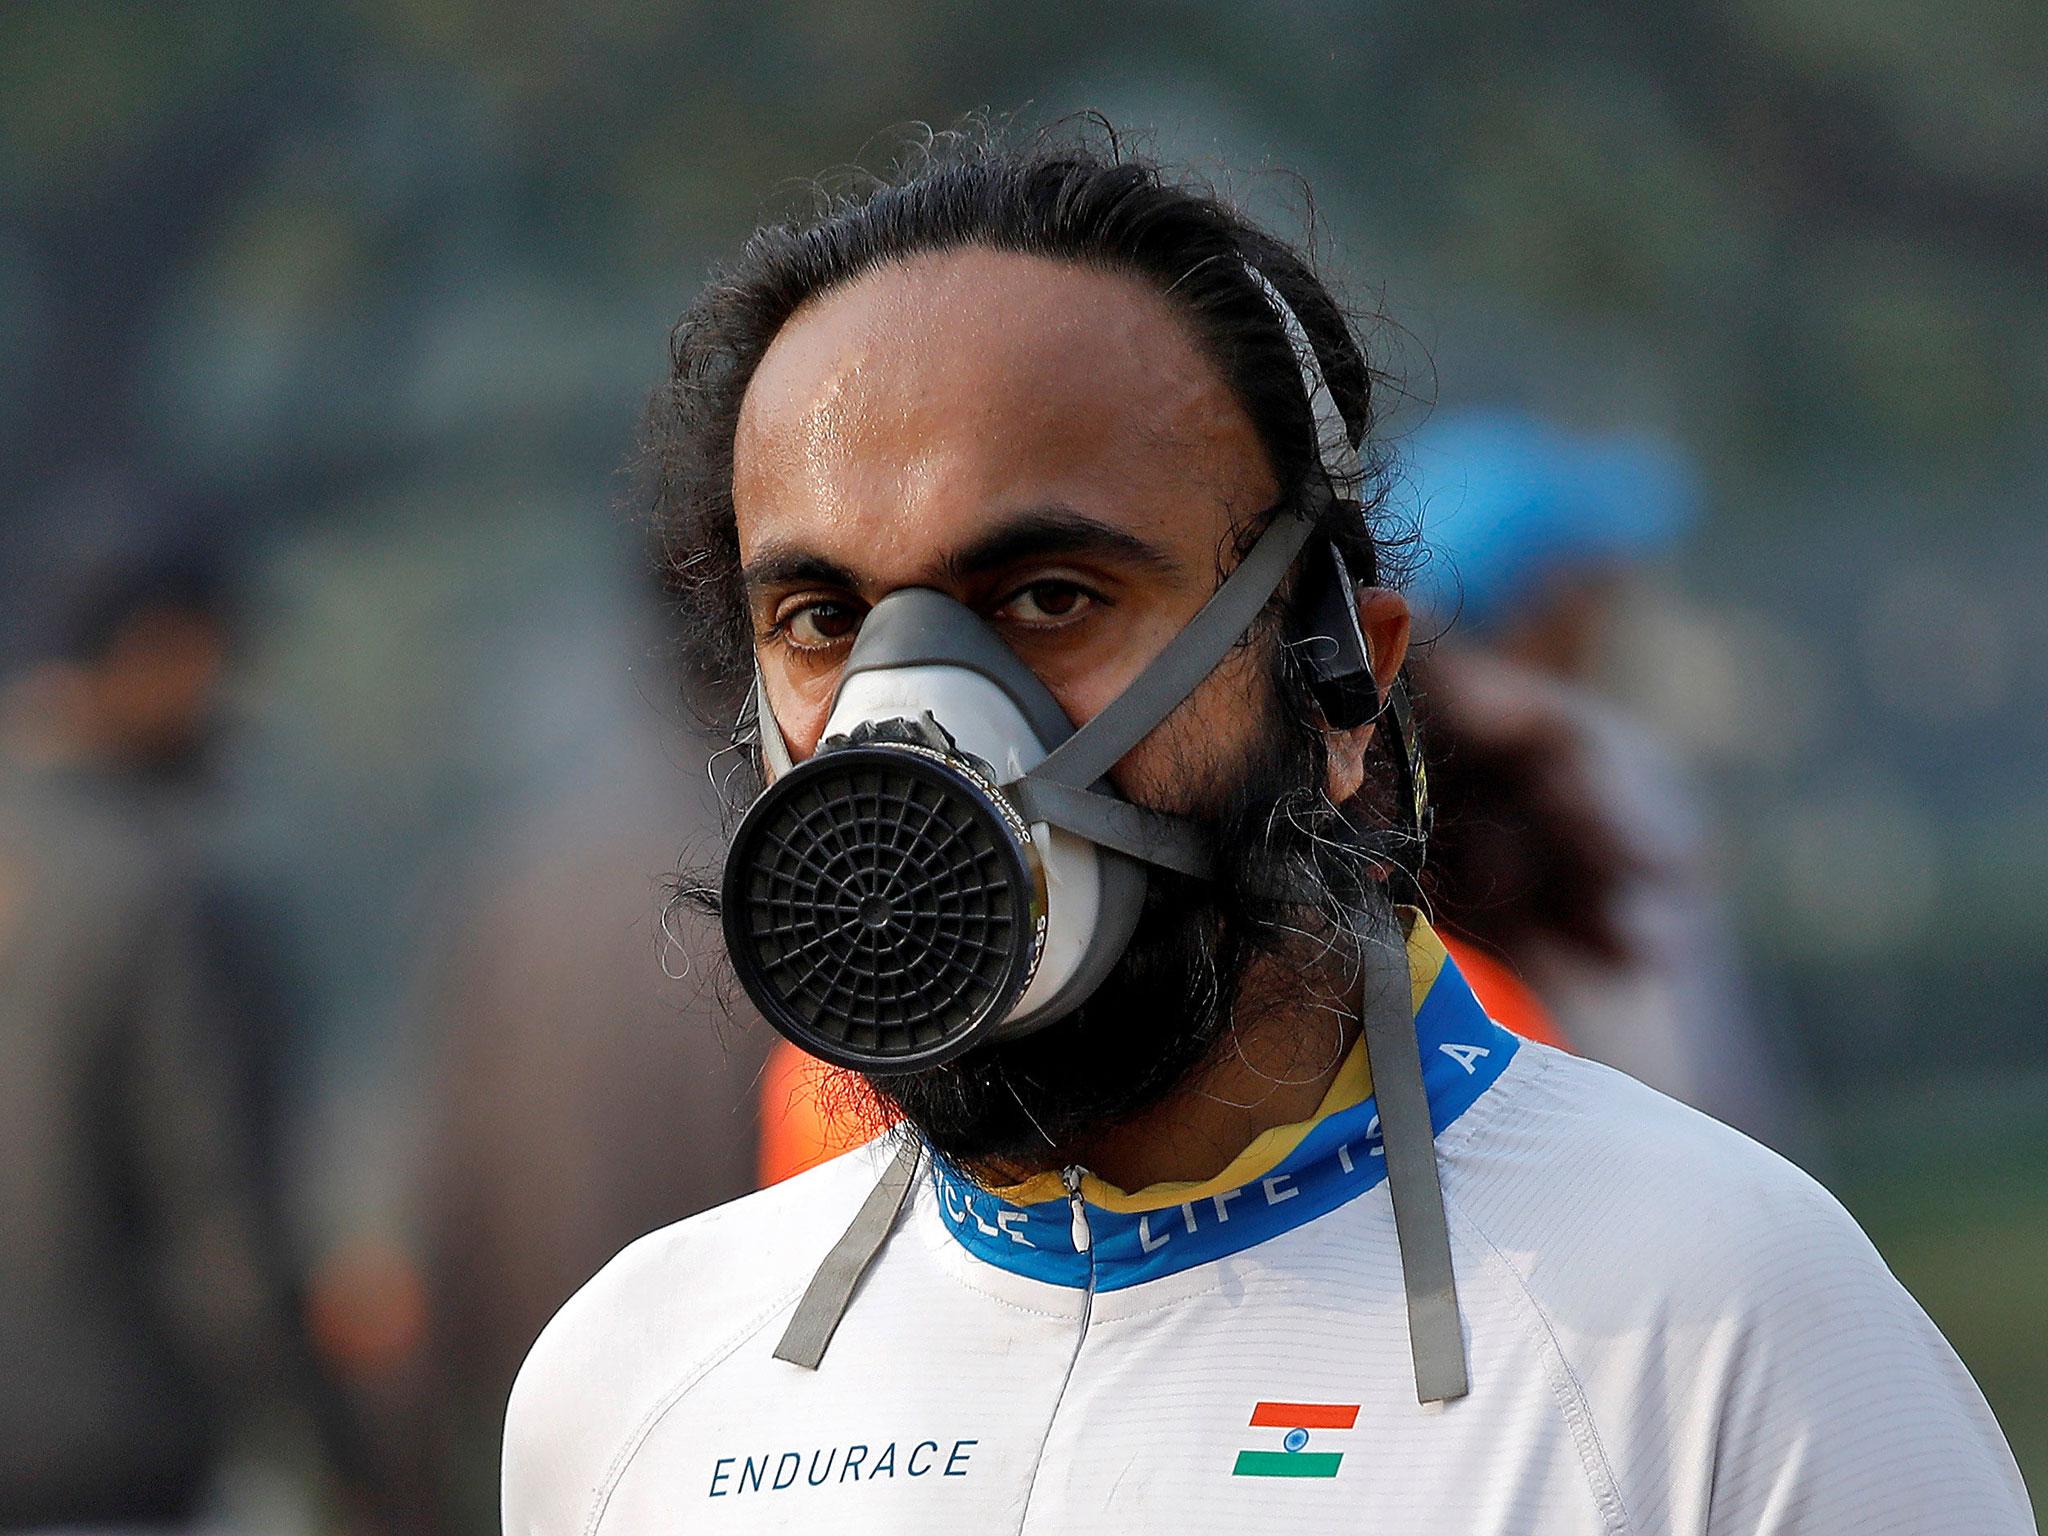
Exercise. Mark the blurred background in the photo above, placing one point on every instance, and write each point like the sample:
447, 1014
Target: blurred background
344, 760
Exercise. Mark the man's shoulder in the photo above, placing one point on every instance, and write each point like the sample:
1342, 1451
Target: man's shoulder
657, 1318
1584, 1173
1706, 1306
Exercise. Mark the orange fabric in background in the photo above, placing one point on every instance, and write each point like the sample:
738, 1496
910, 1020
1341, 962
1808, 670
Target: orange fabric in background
796, 1134
1504, 995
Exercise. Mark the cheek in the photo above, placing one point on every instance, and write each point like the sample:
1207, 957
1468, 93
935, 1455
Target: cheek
801, 704
1086, 677
1197, 753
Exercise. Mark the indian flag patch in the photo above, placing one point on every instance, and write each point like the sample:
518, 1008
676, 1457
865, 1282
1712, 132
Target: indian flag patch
1294, 1458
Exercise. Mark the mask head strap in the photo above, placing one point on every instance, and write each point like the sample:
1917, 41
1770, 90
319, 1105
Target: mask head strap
1188, 658
1435, 1337
1334, 449
1058, 786
1346, 474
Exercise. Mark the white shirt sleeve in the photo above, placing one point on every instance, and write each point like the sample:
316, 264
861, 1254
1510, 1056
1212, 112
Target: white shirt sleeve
1741, 1359
1840, 1408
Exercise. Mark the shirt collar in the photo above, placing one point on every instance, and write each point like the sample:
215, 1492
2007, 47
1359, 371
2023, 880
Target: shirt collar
1289, 1175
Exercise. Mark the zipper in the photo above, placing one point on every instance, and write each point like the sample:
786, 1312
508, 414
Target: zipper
1084, 1244
1083, 1239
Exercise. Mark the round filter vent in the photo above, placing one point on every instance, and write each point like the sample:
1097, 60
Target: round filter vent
879, 909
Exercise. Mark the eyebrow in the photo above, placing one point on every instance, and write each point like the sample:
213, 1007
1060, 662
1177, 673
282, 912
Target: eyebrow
1039, 532
787, 567
1033, 534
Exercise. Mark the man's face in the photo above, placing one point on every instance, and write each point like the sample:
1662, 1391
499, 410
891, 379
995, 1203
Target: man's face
1042, 442
1046, 444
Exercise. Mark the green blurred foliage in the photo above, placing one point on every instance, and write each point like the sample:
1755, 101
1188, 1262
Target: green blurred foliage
1831, 213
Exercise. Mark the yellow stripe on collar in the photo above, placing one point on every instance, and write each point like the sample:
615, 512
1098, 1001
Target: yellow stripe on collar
1271, 1147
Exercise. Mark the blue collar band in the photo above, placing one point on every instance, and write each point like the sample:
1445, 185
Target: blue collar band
1340, 1158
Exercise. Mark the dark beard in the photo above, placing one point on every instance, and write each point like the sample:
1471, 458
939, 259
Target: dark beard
1004, 1110
1288, 866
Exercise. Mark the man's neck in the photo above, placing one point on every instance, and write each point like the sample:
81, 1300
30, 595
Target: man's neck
1274, 1067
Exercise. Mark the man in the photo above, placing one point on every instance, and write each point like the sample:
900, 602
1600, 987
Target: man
146, 1312
1083, 855
583, 1095
1573, 843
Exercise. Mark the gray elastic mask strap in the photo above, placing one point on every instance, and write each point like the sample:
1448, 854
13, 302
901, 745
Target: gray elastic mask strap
1435, 1337
1167, 841
1333, 438
831, 1289
1189, 657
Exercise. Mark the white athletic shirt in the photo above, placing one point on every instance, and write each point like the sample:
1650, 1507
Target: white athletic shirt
1669, 1330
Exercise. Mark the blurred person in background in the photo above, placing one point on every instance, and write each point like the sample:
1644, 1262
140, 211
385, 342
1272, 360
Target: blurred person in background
146, 1314
587, 1088
1569, 840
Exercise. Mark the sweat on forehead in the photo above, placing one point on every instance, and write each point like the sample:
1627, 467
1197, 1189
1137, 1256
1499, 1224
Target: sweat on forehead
988, 378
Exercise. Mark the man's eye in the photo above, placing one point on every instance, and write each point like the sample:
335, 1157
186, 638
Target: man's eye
1047, 602
818, 626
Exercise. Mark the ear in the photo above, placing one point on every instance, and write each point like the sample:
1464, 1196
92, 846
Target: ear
1383, 619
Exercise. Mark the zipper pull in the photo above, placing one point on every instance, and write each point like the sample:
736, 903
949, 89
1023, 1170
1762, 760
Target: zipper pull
1071, 1177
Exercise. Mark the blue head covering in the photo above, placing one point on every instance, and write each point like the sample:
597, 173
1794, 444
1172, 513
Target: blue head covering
1509, 502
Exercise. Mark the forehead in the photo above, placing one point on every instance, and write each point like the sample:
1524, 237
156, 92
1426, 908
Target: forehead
900, 410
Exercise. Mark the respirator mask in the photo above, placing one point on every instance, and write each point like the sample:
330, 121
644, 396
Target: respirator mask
951, 866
